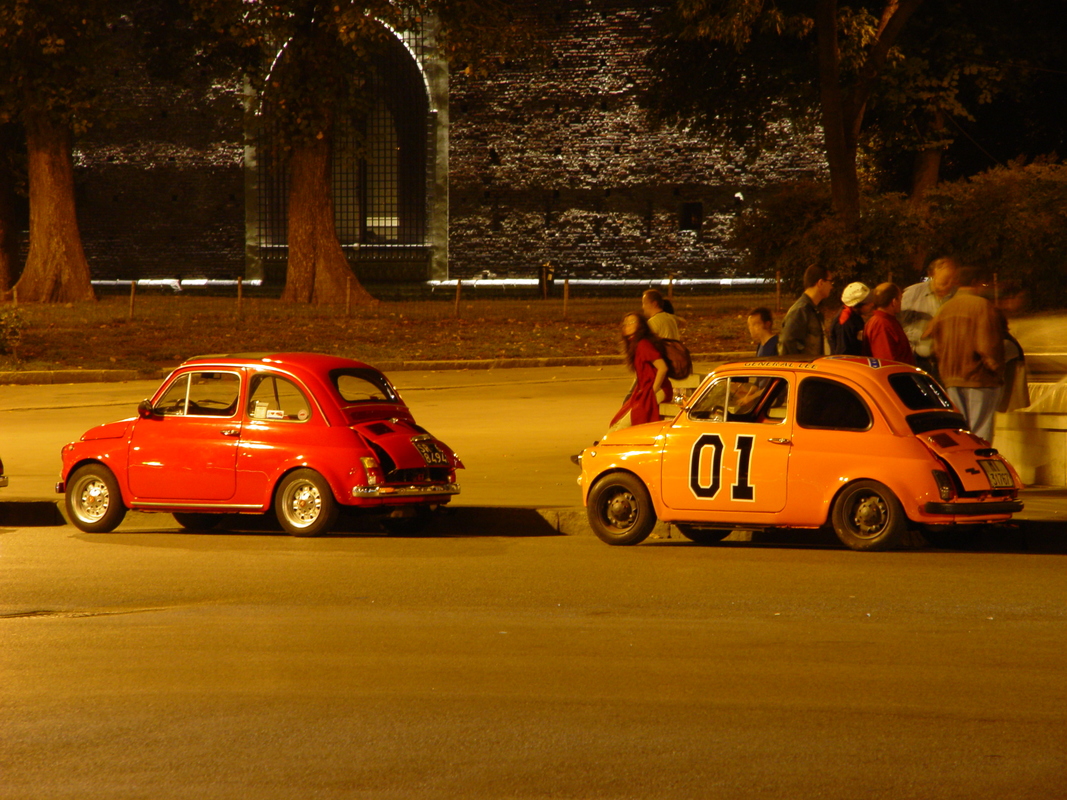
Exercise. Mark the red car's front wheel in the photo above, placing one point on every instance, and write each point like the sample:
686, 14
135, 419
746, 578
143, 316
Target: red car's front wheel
93, 500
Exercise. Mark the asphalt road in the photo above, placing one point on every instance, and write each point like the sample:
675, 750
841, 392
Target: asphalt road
504, 660
157, 664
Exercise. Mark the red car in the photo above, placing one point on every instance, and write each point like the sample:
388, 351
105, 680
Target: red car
299, 433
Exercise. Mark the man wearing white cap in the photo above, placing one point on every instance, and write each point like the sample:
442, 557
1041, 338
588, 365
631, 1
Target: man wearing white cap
846, 332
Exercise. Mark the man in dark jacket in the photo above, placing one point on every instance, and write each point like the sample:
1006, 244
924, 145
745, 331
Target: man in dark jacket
802, 331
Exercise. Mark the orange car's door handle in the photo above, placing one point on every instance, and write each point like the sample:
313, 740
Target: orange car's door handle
231, 432
779, 441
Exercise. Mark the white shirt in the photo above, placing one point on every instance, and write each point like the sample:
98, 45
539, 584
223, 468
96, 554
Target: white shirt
664, 325
918, 305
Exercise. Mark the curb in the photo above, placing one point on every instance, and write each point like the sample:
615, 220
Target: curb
45, 377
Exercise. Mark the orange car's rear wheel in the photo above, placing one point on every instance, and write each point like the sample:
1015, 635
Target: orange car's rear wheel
620, 510
867, 516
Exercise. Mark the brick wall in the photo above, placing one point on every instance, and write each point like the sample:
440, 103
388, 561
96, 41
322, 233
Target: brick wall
548, 163
557, 163
160, 182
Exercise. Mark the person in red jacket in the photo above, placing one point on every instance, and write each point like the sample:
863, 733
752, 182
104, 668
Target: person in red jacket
883, 335
644, 356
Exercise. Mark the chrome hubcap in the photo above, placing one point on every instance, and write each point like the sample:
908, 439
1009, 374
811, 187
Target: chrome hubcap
93, 500
304, 505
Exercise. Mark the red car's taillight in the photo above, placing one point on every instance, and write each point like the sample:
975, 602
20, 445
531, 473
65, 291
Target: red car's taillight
373, 471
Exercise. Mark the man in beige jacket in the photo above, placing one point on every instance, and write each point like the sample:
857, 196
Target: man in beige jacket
969, 345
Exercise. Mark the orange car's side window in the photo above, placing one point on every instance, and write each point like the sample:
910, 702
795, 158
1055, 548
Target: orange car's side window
760, 399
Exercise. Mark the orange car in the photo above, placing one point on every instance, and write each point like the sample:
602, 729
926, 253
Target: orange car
872, 447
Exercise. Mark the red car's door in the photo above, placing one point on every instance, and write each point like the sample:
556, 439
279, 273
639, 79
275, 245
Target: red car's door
186, 450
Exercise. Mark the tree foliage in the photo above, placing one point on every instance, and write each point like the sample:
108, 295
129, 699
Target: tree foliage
792, 60
957, 73
795, 225
1009, 220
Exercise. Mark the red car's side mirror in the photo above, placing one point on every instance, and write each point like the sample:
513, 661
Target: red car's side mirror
145, 409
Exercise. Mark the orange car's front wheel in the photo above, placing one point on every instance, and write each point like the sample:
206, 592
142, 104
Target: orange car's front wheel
620, 510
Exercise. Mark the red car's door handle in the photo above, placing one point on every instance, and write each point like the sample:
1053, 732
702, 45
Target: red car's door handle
231, 432
779, 441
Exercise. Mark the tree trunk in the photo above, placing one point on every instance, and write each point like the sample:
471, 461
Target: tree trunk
924, 177
837, 126
9, 234
56, 270
317, 271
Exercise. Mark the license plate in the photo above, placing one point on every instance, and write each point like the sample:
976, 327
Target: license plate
433, 455
999, 477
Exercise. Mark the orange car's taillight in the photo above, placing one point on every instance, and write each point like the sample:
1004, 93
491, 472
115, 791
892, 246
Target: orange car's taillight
944, 484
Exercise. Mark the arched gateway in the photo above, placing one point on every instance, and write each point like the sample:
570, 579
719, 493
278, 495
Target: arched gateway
390, 196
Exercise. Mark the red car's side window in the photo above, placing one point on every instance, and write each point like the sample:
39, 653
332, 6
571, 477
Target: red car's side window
205, 394
273, 398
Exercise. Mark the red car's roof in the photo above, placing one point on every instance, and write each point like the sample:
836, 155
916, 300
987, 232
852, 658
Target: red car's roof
314, 362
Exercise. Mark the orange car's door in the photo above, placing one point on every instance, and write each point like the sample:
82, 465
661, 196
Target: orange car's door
729, 450
187, 450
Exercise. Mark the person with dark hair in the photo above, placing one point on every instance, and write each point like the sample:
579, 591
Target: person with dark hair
968, 343
846, 332
884, 336
760, 323
802, 330
644, 356
661, 319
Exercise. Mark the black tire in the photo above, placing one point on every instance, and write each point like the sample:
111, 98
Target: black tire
620, 510
93, 500
867, 516
199, 523
304, 504
702, 535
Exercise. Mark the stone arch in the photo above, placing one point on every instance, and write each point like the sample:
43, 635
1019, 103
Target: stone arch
390, 196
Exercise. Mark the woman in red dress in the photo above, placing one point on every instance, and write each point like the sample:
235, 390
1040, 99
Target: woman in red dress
645, 357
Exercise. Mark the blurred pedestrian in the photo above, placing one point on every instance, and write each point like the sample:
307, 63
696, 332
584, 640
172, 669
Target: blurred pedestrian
644, 356
661, 319
846, 331
802, 329
760, 324
968, 344
921, 301
884, 336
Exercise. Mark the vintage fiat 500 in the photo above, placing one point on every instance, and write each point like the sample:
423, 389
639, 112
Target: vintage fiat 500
299, 433
871, 447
